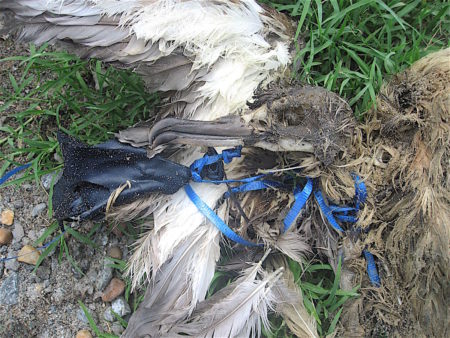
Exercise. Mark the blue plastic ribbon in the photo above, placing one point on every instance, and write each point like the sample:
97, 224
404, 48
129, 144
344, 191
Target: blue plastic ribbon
372, 268
301, 197
360, 191
331, 212
214, 218
252, 186
327, 211
11, 173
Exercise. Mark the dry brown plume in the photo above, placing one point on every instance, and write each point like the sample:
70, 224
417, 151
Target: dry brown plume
402, 151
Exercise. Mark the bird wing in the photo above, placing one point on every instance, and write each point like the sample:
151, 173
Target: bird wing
208, 56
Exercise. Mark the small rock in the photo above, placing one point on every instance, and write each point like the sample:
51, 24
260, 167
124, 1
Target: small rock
108, 316
58, 158
121, 307
6, 236
29, 255
12, 265
18, 232
58, 295
113, 290
27, 186
104, 240
84, 266
46, 181
15, 245
43, 272
32, 235
83, 334
7, 217
34, 291
18, 204
26, 241
114, 252
81, 316
2, 265
38, 209
117, 329
9, 291
104, 276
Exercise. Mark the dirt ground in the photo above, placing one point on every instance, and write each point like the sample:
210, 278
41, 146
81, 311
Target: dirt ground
46, 303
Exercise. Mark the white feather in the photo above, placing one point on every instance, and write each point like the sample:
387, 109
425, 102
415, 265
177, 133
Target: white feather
236, 311
226, 37
179, 284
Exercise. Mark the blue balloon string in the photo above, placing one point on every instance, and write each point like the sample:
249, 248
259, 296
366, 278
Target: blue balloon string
11, 173
45, 246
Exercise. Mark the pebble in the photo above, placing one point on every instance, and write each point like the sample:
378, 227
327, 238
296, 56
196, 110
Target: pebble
12, 265
114, 252
18, 204
38, 209
9, 290
81, 316
2, 265
84, 266
104, 240
121, 307
108, 316
83, 334
34, 291
7, 217
43, 272
58, 295
18, 232
114, 289
58, 158
46, 181
117, 329
27, 186
104, 276
28, 255
6, 236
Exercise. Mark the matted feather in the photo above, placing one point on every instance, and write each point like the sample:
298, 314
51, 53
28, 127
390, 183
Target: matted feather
238, 310
290, 302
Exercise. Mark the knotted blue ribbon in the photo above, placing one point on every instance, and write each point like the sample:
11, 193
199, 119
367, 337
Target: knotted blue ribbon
331, 212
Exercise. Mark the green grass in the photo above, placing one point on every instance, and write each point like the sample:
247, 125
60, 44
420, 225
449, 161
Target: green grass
64, 251
349, 47
322, 298
59, 91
